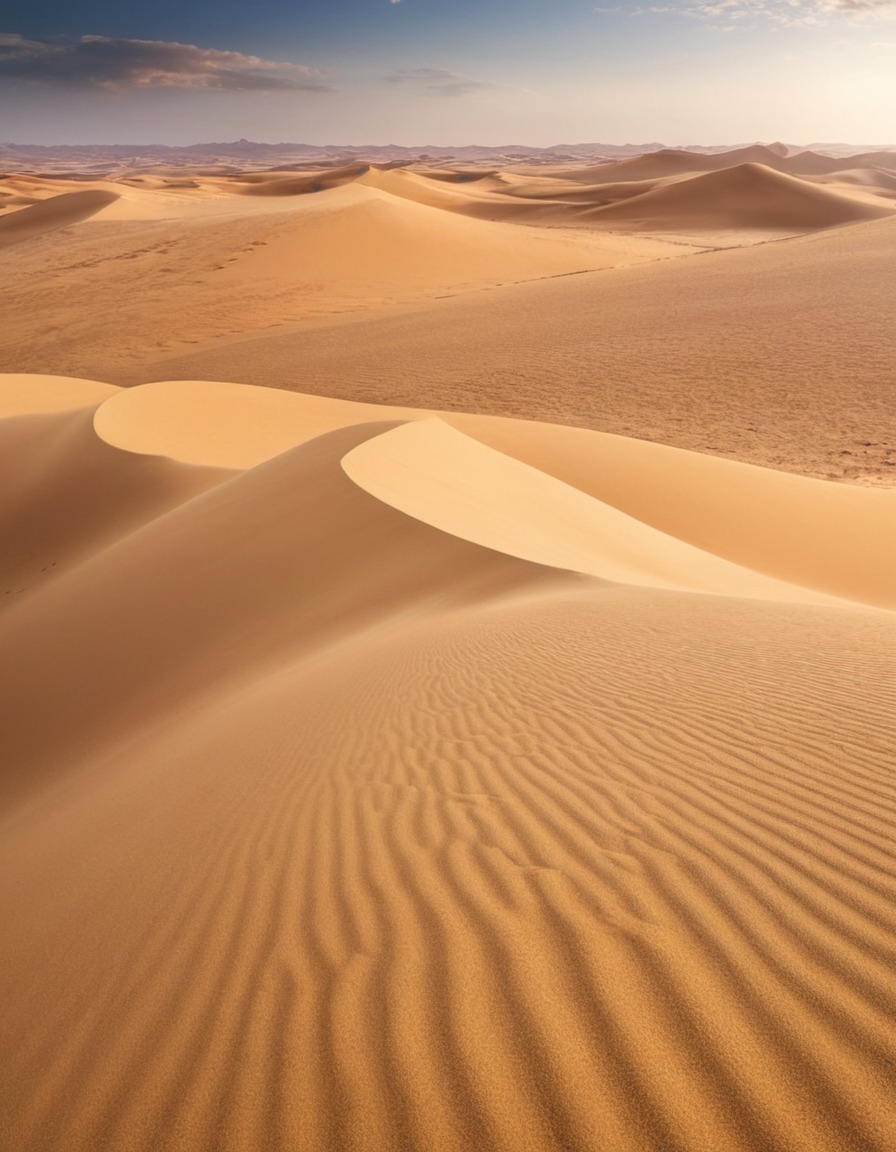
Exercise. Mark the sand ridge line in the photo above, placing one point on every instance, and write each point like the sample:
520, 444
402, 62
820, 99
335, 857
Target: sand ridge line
430, 471
832, 538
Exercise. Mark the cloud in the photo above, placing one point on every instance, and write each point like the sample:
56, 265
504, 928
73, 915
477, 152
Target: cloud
440, 81
787, 13
106, 62
883, 8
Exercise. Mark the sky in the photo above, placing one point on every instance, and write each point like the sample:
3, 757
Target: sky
442, 72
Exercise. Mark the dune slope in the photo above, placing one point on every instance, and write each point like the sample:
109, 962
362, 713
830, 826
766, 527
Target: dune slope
779, 355
829, 537
747, 195
324, 826
56, 212
166, 269
207, 588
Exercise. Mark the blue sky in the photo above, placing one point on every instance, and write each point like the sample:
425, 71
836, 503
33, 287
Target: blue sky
448, 71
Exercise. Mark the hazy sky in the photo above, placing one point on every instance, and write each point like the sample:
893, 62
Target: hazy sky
448, 71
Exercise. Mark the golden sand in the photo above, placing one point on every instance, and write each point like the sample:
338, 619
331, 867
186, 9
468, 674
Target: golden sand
411, 775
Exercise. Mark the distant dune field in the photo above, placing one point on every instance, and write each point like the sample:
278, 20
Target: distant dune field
716, 302
447, 702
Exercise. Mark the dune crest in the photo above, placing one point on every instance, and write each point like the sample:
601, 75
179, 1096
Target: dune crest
829, 538
435, 474
56, 212
29, 394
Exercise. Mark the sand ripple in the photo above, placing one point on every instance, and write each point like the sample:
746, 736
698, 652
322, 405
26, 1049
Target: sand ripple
327, 828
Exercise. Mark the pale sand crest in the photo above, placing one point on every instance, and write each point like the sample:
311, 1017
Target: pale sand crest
377, 783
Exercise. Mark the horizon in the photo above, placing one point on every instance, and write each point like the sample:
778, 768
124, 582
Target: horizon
646, 146
396, 71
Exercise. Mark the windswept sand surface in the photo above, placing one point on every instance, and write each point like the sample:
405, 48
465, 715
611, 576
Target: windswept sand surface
382, 779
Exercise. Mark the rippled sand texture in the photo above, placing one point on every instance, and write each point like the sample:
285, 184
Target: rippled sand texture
377, 781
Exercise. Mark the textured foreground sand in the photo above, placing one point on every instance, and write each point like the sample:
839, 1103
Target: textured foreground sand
379, 781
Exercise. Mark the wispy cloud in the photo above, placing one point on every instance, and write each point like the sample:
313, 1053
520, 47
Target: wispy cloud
788, 13
441, 82
885, 9
107, 62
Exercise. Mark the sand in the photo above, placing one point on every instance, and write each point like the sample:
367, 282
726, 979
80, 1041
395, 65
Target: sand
389, 771
710, 307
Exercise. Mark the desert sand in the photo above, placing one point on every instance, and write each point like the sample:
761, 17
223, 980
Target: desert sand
449, 723
715, 303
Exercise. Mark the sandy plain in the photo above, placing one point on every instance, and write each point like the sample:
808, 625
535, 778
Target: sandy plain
448, 658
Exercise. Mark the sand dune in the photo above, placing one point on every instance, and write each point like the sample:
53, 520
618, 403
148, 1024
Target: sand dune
357, 234
454, 483
670, 162
279, 184
566, 192
326, 825
811, 163
874, 179
779, 355
172, 261
169, 570
404, 767
508, 197
461, 176
745, 196
467, 198
177, 268
47, 215
67, 494
832, 538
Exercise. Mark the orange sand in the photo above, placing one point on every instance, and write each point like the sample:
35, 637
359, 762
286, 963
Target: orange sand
410, 775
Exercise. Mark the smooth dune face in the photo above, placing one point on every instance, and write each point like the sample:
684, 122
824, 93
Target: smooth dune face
368, 786
483, 738
48, 215
830, 537
748, 195
452, 482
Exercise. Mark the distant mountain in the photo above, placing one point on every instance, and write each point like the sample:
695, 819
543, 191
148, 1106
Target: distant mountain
846, 150
239, 155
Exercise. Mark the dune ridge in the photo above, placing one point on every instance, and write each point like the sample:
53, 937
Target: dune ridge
431, 472
331, 828
829, 537
56, 212
746, 195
